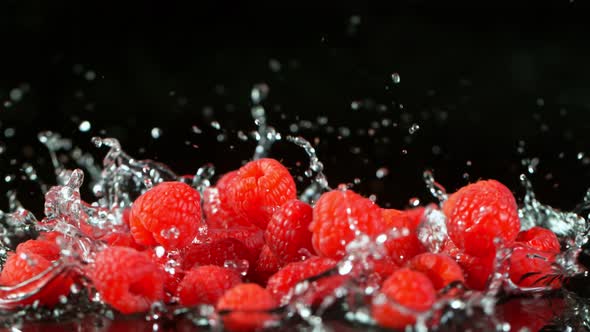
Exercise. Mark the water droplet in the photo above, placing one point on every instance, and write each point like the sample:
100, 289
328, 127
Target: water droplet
196, 130
84, 126
382, 172
216, 125
259, 93
9, 132
274, 65
414, 202
160, 251
16, 94
156, 132
413, 128
90, 75
580, 155
396, 78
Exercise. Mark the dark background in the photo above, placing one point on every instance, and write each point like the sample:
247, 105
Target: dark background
477, 80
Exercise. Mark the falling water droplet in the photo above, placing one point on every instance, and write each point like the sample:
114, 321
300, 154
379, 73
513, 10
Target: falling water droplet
382, 172
259, 93
413, 128
84, 126
396, 78
156, 132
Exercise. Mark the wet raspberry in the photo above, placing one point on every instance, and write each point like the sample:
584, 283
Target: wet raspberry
333, 215
127, 279
206, 284
44, 248
216, 253
478, 214
266, 265
259, 189
404, 247
218, 211
539, 238
534, 268
252, 237
285, 279
408, 288
287, 234
22, 266
439, 268
169, 214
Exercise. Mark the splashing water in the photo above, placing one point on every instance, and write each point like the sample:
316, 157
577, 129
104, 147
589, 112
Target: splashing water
121, 179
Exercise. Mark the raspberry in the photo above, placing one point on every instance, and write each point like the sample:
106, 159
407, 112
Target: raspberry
127, 279
216, 253
206, 284
403, 248
252, 237
480, 212
287, 234
266, 265
170, 263
217, 209
46, 249
168, 214
259, 188
383, 267
21, 267
539, 238
246, 305
533, 268
334, 214
477, 270
440, 269
121, 239
280, 283
405, 287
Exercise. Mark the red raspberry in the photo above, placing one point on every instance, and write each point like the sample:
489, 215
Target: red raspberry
252, 237
480, 212
383, 267
533, 268
477, 270
206, 284
170, 264
260, 187
22, 266
287, 234
218, 211
247, 307
127, 279
403, 248
169, 214
440, 269
216, 253
121, 239
266, 265
333, 215
46, 249
540, 238
280, 283
405, 287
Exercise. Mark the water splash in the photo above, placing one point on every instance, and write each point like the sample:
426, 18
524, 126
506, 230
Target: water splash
534, 213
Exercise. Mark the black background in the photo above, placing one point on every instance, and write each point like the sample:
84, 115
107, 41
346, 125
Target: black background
476, 79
